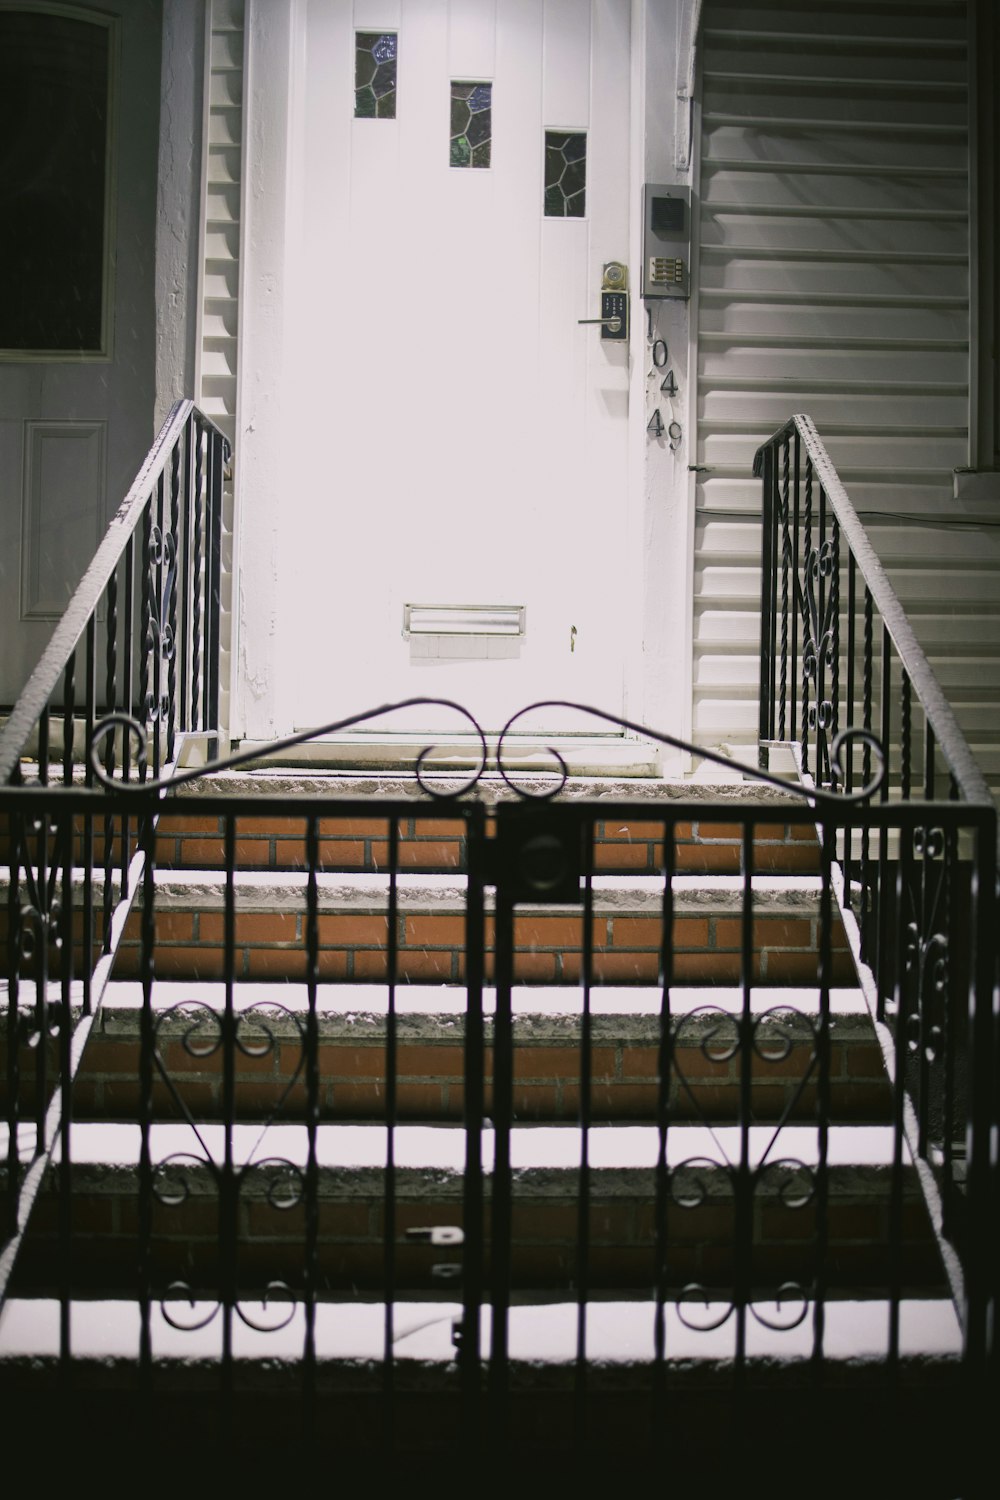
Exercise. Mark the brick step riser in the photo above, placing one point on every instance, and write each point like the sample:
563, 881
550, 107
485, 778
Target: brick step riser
351, 1247
271, 945
193, 840
430, 1081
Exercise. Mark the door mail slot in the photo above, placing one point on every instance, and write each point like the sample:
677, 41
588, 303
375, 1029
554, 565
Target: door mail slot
463, 619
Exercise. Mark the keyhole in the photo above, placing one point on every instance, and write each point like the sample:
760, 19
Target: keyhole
572, 637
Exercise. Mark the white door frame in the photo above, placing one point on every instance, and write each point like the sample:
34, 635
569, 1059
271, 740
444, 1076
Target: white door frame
659, 510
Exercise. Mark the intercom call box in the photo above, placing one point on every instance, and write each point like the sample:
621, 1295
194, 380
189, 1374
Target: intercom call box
666, 240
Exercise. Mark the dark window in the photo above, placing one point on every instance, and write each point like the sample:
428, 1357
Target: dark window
53, 154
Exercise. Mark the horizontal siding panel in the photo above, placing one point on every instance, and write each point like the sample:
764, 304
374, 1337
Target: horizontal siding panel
785, 320
751, 408
769, 141
914, 22
849, 451
831, 105
875, 62
731, 273
802, 368
785, 189
828, 234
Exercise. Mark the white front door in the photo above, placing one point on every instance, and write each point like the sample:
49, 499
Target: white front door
79, 102
459, 438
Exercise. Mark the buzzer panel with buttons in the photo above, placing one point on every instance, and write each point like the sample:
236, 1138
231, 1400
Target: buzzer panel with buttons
666, 240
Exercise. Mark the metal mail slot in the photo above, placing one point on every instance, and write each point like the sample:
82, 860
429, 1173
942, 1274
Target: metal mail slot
463, 619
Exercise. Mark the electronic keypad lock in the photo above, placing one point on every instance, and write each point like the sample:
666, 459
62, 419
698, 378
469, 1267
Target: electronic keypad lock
614, 302
666, 241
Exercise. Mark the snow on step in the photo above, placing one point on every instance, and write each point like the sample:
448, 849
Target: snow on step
619, 1333
438, 1151
422, 1008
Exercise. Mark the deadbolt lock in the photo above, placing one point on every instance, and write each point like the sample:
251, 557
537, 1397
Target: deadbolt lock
614, 302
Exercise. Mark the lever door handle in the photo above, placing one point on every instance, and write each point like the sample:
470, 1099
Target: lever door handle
613, 323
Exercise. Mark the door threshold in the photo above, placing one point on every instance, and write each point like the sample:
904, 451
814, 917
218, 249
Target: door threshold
584, 755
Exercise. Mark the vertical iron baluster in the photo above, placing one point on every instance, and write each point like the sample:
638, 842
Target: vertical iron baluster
905, 732
43, 942
981, 1186
90, 691
796, 587
884, 904
14, 1028
503, 1083
930, 780
822, 769
901, 995
823, 1097
389, 1192
664, 1079
852, 605
228, 1196
128, 672
69, 709
834, 630
111, 704
583, 1189
188, 584
156, 567
64, 842
145, 627
953, 1030
147, 1039
765, 706
196, 581
219, 449
469, 1351
808, 644
866, 773
173, 562
786, 547
743, 1175
311, 1267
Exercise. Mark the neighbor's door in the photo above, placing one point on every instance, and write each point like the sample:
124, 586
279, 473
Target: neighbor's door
460, 436
79, 115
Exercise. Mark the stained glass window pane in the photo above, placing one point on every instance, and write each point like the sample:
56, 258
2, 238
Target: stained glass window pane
565, 174
471, 124
375, 75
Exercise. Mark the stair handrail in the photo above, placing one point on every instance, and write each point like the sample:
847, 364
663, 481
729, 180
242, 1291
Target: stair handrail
175, 432
799, 435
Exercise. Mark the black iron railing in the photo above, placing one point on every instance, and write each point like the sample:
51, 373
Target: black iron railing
228, 1251
140, 639
837, 647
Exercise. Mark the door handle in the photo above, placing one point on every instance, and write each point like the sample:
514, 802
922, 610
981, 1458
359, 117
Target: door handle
613, 321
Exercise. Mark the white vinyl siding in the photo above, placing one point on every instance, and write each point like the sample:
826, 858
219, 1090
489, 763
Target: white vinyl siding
219, 270
833, 280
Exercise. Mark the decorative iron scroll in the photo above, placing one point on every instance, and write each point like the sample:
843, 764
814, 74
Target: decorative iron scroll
251, 1033
137, 733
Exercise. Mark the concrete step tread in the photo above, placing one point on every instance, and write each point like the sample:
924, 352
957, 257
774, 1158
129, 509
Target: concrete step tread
440, 1149
272, 890
619, 1333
